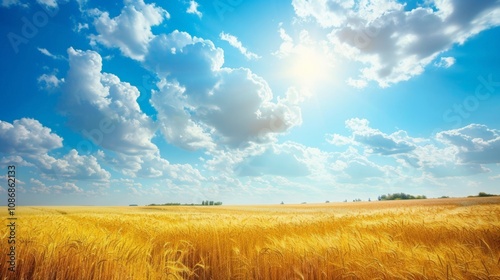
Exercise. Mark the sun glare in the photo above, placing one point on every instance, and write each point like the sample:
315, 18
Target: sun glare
310, 68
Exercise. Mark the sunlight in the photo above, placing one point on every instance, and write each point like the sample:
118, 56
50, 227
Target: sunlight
310, 68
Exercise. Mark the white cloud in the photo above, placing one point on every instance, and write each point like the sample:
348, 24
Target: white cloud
475, 143
206, 106
13, 159
49, 54
105, 111
287, 46
39, 187
396, 161
27, 137
460, 152
362, 169
49, 82
103, 108
151, 165
326, 13
233, 41
249, 115
48, 3
66, 188
10, 3
445, 62
351, 167
395, 44
375, 140
463, 152
28, 142
357, 83
339, 140
175, 120
441, 162
71, 166
81, 26
184, 56
192, 69
193, 9
270, 160
131, 30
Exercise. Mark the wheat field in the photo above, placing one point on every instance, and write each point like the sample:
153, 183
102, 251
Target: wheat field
422, 239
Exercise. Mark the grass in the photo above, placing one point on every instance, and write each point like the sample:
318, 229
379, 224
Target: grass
424, 239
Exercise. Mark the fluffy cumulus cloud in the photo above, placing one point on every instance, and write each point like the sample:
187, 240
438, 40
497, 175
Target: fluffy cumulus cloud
392, 42
199, 99
64, 188
27, 142
71, 166
192, 61
12, 159
350, 166
38, 186
460, 152
151, 165
27, 136
445, 62
287, 45
373, 139
49, 81
131, 30
175, 120
102, 108
289, 159
475, 143
49, 3
193, 9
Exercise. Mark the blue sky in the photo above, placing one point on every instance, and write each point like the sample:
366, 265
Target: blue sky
248, 102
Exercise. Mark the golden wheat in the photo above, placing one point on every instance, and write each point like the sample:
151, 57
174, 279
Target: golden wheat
425, 239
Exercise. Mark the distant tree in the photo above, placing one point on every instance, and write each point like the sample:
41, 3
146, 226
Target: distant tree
483, 194
282, 202
211, 202
328, 201
397, 196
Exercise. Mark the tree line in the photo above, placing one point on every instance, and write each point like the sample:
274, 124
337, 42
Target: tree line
211, 202
396, 196
203, 203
